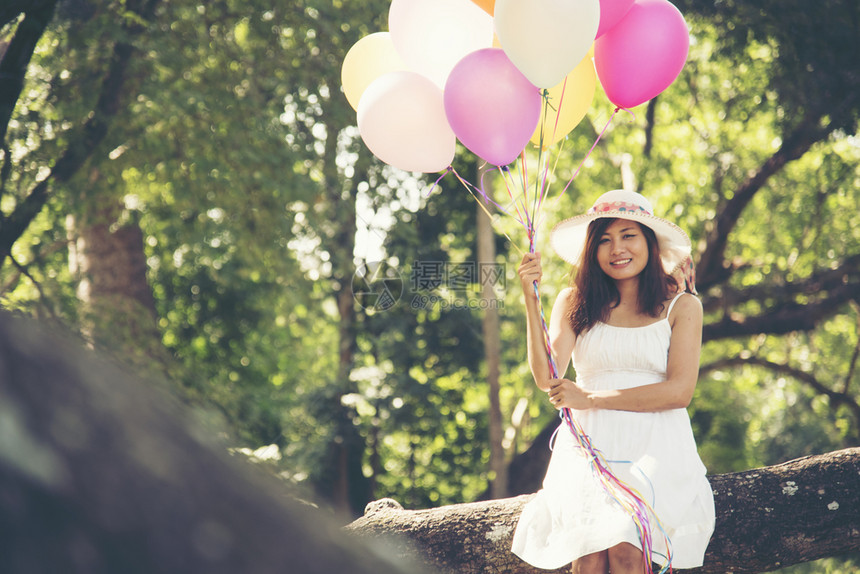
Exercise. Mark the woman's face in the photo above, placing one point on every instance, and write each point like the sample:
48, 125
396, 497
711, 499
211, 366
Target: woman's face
622, 250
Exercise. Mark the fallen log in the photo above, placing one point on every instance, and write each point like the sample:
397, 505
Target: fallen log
767, 518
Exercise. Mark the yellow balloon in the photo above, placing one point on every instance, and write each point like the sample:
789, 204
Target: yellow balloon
368, 59
566, 104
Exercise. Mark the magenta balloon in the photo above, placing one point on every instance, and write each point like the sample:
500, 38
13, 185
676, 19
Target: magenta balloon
491, 106
611, 12
643, 54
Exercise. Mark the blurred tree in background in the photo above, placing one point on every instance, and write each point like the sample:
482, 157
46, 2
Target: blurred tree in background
183, 184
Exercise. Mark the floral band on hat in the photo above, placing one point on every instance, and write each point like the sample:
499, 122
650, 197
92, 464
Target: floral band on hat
617, 206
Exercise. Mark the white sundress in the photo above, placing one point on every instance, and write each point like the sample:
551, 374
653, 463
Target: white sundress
653, 452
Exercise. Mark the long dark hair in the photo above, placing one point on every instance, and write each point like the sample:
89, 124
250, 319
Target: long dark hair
595, 293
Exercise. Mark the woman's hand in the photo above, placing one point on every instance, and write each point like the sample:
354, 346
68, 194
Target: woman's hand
565, 393
530, 271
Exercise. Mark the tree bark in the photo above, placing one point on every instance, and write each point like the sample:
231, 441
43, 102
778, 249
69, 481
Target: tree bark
107, 257
767, 518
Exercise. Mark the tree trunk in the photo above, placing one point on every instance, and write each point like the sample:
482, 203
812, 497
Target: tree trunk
492, 343
340, 479
107, 255
767, 518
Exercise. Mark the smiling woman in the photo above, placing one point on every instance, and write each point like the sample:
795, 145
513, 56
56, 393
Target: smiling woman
634, 336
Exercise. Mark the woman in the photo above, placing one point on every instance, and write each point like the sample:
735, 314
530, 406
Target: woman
635, 339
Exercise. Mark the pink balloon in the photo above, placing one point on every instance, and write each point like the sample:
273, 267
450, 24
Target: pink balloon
643, 54
491, 106
611, 12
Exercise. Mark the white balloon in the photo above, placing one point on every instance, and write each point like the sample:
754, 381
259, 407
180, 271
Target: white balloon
433, 35
401, 118
546, 39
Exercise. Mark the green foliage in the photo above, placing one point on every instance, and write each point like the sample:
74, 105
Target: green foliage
813, 53
425, 397
232, 298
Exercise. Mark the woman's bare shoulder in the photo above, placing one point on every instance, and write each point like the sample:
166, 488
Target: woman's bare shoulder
565, 298
567, 293
687, 305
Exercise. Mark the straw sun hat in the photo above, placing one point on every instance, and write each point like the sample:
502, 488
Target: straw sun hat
568, 237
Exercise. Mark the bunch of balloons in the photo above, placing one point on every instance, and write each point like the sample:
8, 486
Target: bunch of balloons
496, 74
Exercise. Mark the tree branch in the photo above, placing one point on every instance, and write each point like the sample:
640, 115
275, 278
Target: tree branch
836, 398
802, 376
45, 300
787, 318
81, 147
775, 294
767, 518
825, 292
711, 269
16, 59
11, 9
125, 479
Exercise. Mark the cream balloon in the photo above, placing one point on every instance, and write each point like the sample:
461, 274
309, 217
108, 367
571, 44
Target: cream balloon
546, 39
401, 118
369, 58
566, 104
433, 35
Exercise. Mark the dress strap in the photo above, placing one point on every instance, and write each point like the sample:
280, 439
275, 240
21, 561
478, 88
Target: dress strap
672, 304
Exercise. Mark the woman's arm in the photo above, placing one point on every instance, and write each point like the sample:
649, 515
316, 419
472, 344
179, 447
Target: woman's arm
560, 332
681, 374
